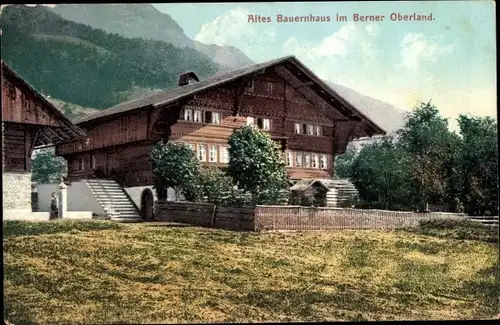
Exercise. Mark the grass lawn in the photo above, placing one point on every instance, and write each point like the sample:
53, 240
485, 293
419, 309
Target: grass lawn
104, 272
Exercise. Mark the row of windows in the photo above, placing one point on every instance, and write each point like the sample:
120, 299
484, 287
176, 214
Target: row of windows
210, 153
92, 163
306, 160
201, 116
261, 123
309, 129
205, 116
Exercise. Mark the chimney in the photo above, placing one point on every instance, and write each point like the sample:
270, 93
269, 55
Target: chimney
187, 78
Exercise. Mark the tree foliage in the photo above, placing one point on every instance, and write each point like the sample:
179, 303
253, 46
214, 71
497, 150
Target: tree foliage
47, 168
256, 165
426, 162
175, 166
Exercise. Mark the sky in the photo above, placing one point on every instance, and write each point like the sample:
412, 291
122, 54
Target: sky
450, 60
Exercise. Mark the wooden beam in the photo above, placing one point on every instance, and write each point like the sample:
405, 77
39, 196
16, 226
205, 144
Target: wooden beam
34, 140
54, 133
314, 99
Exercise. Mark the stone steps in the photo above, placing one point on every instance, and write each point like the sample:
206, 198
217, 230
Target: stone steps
113, 200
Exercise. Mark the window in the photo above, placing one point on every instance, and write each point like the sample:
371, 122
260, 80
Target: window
304, 128
318, 130
298, 159
93, 163
202, 152
215, 118
250, 85
224, 155
260, 123
208, 117
315, 161
323, 162
297, 128
197, 116
307, 163
266, 125
289, 159
188, 115
213, 154
190, 146
80, 164
250, 120
310, 129
270, 88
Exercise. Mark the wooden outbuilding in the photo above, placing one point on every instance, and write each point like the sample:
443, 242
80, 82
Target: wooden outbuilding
29, 121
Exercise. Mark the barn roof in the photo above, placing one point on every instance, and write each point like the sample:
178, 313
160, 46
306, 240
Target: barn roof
172, 95
48, 135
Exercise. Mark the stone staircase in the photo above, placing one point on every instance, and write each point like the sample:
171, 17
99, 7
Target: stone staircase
113, 200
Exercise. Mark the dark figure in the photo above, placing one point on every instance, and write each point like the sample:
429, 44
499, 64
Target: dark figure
54, 207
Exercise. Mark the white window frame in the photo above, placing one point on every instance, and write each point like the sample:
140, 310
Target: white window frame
299, 162
224, 155
324, 162
202, 152
315, 161
318, 130
191, 146
250, 120
188, 115
298, 128
310, 129
215, 118
198, 113
289, 159
307, 160
212, 157
266, 124
251, 87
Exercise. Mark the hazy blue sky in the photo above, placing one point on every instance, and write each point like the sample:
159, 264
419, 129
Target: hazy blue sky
451, 60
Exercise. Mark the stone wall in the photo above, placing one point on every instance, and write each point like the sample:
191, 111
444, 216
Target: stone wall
16, 191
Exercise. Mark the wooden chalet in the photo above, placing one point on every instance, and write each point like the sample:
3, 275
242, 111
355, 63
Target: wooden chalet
282, 97
29, 121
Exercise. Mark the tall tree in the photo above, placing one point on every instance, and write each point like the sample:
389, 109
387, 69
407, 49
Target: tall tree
256, 165
380, 172
430, 146
476, 164
46, 167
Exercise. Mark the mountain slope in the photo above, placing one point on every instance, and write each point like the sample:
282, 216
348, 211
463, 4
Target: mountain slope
383, 114
145, 21
87, 66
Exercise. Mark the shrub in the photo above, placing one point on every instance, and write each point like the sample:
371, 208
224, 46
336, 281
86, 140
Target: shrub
176, 166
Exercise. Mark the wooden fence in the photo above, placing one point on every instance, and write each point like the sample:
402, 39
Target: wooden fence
264, 217
306, 218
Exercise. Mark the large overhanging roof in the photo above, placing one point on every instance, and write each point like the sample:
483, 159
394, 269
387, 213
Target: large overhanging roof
48, 135
305, 81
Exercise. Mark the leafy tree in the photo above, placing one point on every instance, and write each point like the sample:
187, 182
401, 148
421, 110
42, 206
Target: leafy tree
47, 168
380, 173
430, 146
343, 163
175, 166
475, 179
256, 165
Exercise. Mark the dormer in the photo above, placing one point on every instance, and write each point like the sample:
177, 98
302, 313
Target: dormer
187, 78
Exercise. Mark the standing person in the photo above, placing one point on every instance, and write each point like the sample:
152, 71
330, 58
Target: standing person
54, 207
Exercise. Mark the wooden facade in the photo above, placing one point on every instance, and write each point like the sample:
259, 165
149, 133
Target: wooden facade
28, 122
280, 97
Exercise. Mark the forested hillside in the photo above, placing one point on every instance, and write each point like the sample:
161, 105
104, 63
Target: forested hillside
86, 66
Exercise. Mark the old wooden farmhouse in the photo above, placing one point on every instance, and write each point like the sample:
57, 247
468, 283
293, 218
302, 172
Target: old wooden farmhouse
28, 122
282, 97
